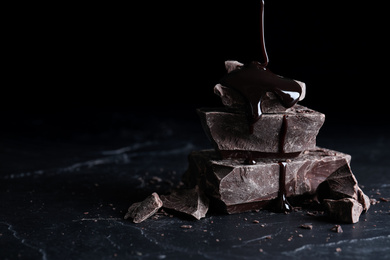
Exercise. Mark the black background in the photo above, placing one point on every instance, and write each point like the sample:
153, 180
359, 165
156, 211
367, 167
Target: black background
85, 60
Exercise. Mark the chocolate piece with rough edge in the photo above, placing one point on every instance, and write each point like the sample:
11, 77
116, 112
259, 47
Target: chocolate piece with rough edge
345, 210
189, 201
140, 211
233, 100
230, 132
253, 80
240, 187
339, 185
363, 199
342, 184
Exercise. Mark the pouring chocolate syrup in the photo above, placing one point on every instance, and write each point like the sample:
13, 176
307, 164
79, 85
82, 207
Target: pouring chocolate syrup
254, 80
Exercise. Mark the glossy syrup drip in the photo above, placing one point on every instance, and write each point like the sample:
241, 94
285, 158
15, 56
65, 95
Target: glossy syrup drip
282, 205
262, 40
282, 134
254, 80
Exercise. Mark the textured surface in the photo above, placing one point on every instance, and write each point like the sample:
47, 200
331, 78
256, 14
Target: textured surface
233, 183
64, 195
230, 131
189, 201
141, 211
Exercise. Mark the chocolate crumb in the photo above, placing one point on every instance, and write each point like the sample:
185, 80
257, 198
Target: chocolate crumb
373, 201
186, 226
384, 199
337, 229
140, 211
314, 213
256, 221
306, 226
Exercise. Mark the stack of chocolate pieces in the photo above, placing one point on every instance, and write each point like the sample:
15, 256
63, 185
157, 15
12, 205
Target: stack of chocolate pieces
267, 155
265, 152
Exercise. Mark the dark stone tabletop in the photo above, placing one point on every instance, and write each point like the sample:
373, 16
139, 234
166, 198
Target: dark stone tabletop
66, 183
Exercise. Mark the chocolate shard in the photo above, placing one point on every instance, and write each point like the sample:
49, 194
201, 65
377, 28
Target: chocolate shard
231, 65
230, 98
230, 132
189, 201
363, 199
140, 211
234, 100
345, 210
337, 229
339, 185
238, 187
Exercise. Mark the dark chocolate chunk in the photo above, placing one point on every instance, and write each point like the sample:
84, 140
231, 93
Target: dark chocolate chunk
234, 100
342, 196
189, 201
340, 184
140, 211
230, 133
337, 229
239, 187
345, 210
253, 81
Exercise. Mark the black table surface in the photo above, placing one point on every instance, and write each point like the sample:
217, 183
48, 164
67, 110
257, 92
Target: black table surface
66, 184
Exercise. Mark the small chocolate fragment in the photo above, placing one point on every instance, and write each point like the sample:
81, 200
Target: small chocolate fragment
233, 100
186, 226
337, 229
253, 81
340, 184
346, 210
363, 199
229, 132
140, 211
306, 226
189, 201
